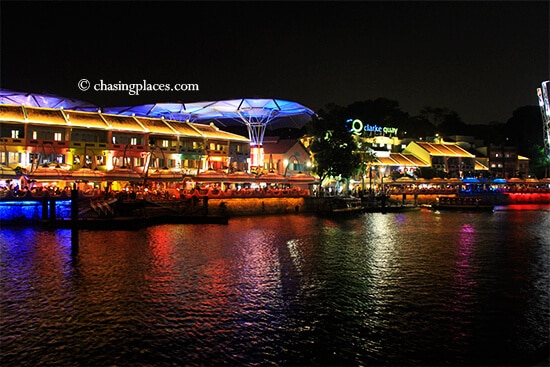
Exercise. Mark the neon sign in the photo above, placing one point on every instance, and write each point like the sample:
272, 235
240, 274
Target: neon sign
357, 127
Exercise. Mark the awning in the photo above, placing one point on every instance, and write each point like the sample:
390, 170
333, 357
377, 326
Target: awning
7, 173
165, 175
123, 174
87, 174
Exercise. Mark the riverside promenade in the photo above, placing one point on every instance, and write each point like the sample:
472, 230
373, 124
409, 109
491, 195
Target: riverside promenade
76, 209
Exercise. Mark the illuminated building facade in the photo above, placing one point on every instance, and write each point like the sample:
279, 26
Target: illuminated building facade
38, 129
503, 161
32, 137
446, 157
286, 156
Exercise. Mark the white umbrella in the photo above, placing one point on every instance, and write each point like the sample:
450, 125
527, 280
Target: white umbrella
210, 176
302, 178
271, 177
122, 174
87, 174
7, 173
165, 175
240, 176
49, 174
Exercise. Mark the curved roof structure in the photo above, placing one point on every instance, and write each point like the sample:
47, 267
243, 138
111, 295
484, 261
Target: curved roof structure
218, 110
255, 114
42, 100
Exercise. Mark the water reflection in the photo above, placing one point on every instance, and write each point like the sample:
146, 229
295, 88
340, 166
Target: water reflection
383, 289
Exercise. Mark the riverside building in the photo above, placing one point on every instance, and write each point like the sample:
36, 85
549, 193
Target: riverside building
49, 137
56, 138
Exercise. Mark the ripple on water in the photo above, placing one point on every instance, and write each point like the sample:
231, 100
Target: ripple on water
418, 289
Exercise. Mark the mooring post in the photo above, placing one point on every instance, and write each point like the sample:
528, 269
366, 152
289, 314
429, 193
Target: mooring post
74, 219
52, 210
44, 208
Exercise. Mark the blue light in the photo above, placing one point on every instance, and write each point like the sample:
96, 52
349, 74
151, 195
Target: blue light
41, 100
31, 210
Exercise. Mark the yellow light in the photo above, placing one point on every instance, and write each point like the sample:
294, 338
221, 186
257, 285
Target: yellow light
256, 156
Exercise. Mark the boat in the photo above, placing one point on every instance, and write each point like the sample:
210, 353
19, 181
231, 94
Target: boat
340, 206
470, 204
384, 204
391, 208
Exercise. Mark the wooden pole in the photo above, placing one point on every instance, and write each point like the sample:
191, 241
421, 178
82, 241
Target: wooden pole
74, 220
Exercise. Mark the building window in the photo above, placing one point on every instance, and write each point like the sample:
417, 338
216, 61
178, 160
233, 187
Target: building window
15, 134
57, 136
133, 141
15, 157
165, 143
35, 135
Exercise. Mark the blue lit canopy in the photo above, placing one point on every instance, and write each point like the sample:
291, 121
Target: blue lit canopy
42, 100
255, 114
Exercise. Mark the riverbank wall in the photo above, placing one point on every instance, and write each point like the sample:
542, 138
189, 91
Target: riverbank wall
29, 211
258, 206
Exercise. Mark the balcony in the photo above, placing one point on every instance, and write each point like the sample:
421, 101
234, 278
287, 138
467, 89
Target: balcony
12, 141
54, 143
82, 144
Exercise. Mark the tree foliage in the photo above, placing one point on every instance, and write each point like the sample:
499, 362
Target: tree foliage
334, 156
447, 122
333, 147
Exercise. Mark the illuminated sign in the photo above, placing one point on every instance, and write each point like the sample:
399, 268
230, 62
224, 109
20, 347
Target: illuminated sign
357, 127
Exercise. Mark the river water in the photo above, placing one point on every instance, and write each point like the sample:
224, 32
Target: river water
419, 288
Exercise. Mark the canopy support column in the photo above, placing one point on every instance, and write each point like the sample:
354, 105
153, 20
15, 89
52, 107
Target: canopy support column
256, 125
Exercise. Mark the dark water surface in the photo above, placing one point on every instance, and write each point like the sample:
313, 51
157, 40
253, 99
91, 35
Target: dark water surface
419, 288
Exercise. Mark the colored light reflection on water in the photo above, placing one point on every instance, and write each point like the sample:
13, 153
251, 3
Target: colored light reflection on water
423, 288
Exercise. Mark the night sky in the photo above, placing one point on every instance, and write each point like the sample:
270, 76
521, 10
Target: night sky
480, 59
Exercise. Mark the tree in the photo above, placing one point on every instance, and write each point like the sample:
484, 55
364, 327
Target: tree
448, 122
333, 147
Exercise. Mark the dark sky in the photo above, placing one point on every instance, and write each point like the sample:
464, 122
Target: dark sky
480, 59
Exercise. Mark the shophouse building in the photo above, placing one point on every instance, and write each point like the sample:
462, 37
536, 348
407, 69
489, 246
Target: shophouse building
504, 161
38, 136
286, 156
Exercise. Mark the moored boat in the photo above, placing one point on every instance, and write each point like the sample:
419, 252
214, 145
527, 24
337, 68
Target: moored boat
392, 209
340, 206
462, 204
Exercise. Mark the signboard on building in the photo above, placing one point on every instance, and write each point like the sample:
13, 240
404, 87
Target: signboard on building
357, 127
